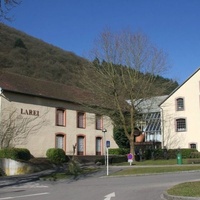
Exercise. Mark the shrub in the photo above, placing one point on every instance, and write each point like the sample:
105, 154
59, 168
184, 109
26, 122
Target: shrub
74, 168
101, 161
195, 155
56, 156
172, 153
15, 153
119, 151
186, 153
118, 159
148, 154
113, 159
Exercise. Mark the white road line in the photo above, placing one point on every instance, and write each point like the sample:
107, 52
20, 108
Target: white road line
28, 195
30, 186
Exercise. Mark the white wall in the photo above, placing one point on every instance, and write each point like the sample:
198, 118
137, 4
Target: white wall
190, 92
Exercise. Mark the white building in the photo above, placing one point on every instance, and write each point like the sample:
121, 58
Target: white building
39, 115
181, 115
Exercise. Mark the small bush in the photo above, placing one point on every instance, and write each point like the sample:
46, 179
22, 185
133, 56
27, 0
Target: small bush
74, 168
15, 153
56, 156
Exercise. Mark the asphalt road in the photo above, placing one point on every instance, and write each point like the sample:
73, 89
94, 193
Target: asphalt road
145, 187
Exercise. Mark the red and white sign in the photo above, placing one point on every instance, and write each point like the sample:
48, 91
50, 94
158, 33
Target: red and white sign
130, 158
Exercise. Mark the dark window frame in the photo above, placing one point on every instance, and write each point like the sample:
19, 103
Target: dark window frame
179, 104
193, 145
181, 125
81, 119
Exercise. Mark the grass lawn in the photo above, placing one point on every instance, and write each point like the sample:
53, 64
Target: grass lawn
153, 169
154, 162
189, 189
156, 166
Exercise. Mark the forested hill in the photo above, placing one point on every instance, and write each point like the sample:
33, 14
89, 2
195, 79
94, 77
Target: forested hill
26, 55
29, 56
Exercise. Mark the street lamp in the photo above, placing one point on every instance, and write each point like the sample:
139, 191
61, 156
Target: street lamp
104, 131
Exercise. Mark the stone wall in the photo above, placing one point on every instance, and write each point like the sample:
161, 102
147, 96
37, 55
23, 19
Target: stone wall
12, 167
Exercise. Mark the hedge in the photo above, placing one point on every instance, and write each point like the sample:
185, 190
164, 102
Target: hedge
195, 155
159, 153
172, 153
119, 151
113, 159
15, 153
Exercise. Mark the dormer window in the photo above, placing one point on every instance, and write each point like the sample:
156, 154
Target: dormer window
179, 104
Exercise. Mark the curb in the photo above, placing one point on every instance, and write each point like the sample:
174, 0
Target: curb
172, 197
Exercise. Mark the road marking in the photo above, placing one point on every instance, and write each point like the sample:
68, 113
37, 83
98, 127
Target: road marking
109, 196
28, 195
30, 185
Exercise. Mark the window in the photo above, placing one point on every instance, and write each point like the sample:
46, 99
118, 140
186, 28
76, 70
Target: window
193, 146
180, 125
99, 121
98, 145
60, 141
180, 104
60, 117
80, 145
81, 121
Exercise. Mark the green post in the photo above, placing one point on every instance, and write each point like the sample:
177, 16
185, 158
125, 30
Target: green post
179, 158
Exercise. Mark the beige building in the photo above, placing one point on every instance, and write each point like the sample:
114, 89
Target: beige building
181, 115
39, 115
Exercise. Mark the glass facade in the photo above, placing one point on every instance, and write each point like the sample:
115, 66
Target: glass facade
151, 125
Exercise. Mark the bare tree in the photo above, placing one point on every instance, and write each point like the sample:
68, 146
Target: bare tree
123, 72
15, 128
6, 6
171, 140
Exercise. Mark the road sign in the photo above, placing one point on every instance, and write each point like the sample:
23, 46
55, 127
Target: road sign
107, 144
130, 158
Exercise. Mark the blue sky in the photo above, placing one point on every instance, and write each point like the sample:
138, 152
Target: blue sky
73, 25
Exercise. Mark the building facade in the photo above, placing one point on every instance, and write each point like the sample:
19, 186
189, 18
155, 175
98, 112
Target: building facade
39, 115
150, 122
181, 115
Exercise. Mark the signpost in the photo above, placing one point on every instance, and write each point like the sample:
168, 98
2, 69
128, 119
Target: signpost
107, 146
130, 158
